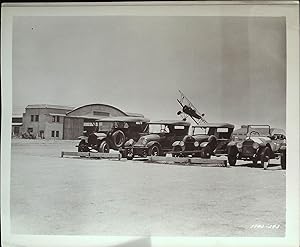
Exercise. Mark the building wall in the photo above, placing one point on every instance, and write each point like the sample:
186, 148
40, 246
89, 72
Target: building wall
44, 124
54, 126
73, 128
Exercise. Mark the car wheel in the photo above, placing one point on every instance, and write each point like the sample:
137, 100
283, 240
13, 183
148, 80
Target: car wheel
104, 147
205, 153
265, 155
232, 159
176, 149
283, 160
118, 138
254, 163
129, 154
154, 150
82, 146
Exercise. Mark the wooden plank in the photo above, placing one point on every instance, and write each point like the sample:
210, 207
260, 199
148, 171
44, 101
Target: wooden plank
190, 161
67, 153
206, 161
168, 159
92, 155
105, 155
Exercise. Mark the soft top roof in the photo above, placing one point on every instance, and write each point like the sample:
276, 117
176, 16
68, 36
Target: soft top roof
123, 119
171, 122
217, 125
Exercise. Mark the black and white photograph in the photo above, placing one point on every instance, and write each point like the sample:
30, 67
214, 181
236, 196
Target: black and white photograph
124, 121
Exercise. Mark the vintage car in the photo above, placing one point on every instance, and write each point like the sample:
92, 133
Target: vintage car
162, 134
261, 143
112, 132
205, 140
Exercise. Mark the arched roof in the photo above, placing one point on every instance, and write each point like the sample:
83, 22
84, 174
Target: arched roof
105, 105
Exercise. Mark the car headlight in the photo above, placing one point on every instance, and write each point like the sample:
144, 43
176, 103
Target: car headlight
144, 142
239, 145
181, 143
196, 144
255, 145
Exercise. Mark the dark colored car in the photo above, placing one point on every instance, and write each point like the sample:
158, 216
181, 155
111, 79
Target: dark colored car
162, 134
113, 132
261, 143
205, 140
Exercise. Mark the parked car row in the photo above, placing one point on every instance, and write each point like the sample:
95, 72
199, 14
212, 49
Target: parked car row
138, 137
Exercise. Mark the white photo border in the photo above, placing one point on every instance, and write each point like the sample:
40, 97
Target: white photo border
233, 8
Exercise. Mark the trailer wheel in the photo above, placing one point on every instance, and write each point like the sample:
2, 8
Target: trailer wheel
104, 147
118, 138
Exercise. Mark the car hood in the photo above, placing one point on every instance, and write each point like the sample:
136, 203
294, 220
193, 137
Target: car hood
200, 138
259, 139
150, 137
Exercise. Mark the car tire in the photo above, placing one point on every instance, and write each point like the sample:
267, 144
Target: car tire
205, 153
254, 163
82, 146
103, 147
129, 155
176, 149
283, 161
118, 139
232, 159
265, 155
154, 150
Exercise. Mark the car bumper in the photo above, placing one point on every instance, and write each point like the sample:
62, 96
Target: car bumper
140, 151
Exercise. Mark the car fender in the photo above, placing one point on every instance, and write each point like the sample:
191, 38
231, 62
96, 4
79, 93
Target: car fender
232, 148
101, 138
129, 143
203, 144
151, 143
232, 143
282, 148
83, 138
176, 143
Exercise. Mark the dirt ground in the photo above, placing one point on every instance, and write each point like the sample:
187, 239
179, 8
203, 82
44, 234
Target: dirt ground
66, 196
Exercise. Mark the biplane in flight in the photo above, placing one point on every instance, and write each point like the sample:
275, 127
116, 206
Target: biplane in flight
189, 110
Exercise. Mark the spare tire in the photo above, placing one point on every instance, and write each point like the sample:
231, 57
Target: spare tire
118, 139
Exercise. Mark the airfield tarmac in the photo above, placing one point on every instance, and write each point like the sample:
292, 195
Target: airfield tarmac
76, 196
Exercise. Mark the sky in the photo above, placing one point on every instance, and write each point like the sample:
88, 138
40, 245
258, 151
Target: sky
233, 69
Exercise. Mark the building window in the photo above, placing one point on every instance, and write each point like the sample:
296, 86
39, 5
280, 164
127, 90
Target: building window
52, 133
56, 119
100, 113
57, 133
36, 118
32, 118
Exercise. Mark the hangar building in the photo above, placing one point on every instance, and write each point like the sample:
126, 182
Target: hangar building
63, 122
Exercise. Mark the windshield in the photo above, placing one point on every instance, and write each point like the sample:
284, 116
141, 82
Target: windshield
158, 128
258, 130
200, 131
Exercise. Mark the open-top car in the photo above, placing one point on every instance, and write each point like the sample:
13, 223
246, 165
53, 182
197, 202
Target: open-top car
162, 134
261, 143
205, 140
112, 132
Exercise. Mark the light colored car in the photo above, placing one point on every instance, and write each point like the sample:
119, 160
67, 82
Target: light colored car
261, 143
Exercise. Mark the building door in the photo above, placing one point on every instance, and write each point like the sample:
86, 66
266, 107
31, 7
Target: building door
42, 134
